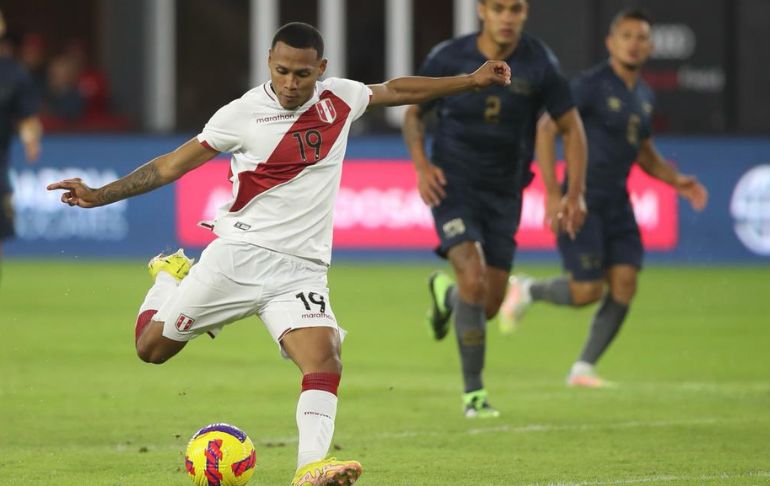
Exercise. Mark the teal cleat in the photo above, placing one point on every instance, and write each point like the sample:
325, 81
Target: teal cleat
477, 406
440, 313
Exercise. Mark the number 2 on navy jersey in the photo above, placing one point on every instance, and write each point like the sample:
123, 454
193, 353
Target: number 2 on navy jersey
310, 138
492, 109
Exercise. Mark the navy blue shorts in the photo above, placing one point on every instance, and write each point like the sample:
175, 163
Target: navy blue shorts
610, 236
6, 216
472, 214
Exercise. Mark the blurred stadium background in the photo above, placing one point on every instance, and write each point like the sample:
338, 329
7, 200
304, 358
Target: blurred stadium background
127, 80
142, 76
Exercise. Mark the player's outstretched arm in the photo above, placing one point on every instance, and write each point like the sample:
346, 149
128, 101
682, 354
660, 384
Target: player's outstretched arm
155, 173
411, 90
650, 160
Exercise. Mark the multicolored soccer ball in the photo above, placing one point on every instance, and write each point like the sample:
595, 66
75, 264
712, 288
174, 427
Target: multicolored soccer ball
220, 455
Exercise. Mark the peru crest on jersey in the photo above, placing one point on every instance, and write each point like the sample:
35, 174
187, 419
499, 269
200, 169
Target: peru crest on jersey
326, 111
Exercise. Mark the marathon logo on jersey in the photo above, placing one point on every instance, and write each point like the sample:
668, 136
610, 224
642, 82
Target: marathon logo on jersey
184, 323
453, 228
317, 315
326, 111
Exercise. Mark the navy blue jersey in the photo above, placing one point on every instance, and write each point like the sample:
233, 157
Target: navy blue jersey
616, 119
17, 100
487, 136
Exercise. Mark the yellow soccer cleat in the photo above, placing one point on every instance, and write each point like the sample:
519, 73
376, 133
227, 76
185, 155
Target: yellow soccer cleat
176, 264
328, 472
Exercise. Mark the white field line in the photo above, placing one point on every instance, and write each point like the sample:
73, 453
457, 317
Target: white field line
538, 392
730, 387
530, 428
506, 428
664, 478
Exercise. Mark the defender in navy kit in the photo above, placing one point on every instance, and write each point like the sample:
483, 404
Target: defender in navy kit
603, 261
481, 154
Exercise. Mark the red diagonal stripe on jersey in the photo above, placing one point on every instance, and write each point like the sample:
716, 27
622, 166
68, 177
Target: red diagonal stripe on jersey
285, 163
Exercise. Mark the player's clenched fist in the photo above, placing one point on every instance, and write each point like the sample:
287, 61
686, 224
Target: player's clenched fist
492, 72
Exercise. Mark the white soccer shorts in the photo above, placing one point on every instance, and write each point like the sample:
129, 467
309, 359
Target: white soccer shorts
234, 280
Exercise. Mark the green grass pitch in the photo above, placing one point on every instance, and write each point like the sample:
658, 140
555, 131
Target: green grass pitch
692, 406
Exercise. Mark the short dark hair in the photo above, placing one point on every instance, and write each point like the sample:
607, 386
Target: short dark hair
300, 36
631, 14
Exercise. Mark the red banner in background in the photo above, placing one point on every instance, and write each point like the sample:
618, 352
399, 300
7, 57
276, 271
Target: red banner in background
378, 207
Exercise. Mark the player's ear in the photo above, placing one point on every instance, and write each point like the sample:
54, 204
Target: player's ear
481, 9
322, 67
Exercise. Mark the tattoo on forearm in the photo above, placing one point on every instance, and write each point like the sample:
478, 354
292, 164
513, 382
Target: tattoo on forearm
144, 179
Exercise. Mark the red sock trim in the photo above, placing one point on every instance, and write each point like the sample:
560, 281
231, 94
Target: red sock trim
328, 382
141, 322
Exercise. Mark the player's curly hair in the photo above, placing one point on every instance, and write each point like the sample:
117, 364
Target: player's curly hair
300, 36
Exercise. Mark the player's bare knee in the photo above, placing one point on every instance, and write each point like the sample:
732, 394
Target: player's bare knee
473, 285
314, 349
147, 354
585, 293
333, 364
623, 290
157, 359
493, 305
151, 352
321, 362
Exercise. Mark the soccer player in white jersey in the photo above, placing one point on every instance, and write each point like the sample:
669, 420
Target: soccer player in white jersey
287, 138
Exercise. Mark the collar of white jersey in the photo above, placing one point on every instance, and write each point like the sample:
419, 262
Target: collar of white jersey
267, 89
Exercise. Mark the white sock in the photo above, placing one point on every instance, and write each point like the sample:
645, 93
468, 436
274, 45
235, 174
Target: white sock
526, 289
582, 368
316, 411
160, 292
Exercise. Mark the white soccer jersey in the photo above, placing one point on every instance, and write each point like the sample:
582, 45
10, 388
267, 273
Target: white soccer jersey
286, 165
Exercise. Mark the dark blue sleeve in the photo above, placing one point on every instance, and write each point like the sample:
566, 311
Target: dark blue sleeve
434, 66
646, 131
582, 95
26, 101
556, 90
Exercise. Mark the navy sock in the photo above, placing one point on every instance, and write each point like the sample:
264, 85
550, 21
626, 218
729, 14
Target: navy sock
604, 328
470, 329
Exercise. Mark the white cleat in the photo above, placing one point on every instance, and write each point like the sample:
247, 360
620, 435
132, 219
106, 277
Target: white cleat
517, 301
583, 375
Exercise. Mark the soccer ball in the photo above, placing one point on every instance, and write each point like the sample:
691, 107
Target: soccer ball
220, 455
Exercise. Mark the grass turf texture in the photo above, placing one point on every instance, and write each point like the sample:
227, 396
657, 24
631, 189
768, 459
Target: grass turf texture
693, 406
